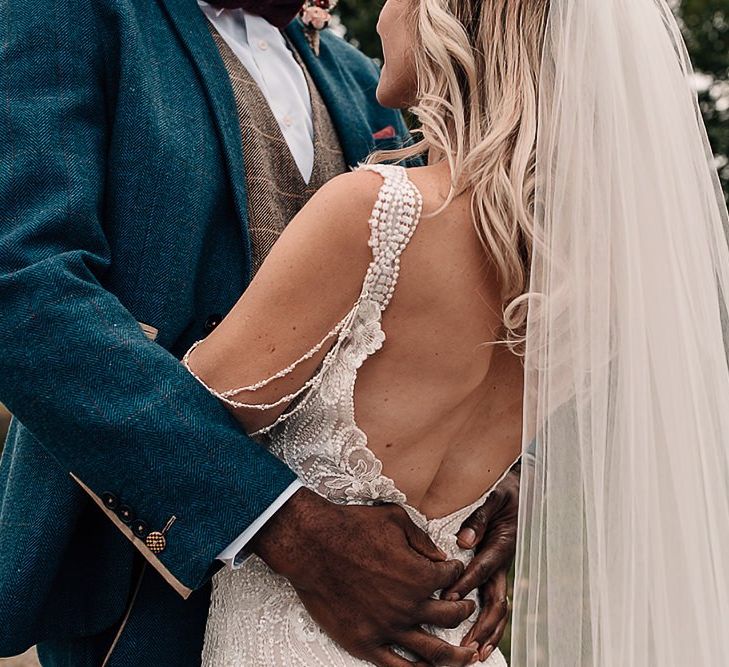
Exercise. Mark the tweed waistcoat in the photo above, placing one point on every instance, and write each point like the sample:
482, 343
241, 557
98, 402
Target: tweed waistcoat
276, 189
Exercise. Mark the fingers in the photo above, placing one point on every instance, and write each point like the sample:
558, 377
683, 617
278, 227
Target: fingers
474, 527
501, 506
436, 651
446, 574
494, 640
420, 541
496, 555
384, 656
491, 623
444, 614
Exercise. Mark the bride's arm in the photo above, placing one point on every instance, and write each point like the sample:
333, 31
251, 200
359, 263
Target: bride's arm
307, 284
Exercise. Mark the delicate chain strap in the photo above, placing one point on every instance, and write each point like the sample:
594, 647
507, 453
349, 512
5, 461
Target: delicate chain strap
392, 224
225, 396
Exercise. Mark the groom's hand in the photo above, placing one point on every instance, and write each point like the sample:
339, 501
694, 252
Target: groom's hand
366, 575
491, 530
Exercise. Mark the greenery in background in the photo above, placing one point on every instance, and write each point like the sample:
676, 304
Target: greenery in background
705, 25
706, 28
360, 18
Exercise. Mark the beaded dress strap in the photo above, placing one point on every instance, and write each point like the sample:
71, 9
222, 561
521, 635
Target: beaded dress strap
392, 222
227, 396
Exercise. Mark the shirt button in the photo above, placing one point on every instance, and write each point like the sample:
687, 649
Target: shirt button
263, 44
287, 120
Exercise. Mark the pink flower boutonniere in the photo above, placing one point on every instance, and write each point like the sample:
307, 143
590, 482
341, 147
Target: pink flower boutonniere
316, 15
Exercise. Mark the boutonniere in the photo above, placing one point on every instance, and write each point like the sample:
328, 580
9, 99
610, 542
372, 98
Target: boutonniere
316, 14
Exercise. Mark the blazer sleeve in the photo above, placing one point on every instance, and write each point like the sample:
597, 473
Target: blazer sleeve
116, 410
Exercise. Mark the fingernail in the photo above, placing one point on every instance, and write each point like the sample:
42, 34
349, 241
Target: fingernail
474, 660
453, 597
443, 554
487, 651
467, 536
473, 645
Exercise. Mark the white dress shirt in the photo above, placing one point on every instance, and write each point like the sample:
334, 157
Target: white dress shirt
263, 51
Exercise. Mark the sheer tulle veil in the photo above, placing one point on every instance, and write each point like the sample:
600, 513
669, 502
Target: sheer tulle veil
623, 557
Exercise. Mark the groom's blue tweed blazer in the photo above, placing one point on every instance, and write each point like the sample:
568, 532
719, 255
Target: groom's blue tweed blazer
123, 218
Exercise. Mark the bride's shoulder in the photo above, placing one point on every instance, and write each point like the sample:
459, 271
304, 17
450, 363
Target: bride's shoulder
331, 232
341, 208
338, 216
359, 187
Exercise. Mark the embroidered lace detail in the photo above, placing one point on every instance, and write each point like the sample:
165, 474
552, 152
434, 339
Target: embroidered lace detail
256, 619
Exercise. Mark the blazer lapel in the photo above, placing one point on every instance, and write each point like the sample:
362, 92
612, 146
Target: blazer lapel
340, 94
192, 28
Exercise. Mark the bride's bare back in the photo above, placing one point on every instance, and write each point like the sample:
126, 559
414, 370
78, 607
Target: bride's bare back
440, 404
441, 408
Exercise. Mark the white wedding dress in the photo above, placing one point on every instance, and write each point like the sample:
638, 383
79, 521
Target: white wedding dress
256, 618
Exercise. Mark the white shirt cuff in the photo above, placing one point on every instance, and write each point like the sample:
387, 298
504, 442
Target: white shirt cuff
235, 555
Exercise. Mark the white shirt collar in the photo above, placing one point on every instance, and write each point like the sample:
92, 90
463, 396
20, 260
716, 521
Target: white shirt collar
217, 11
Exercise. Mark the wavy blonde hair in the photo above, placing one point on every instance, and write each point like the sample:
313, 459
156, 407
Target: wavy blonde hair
477, 65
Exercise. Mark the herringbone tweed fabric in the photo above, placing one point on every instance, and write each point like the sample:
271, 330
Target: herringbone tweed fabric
123, 201
276, 189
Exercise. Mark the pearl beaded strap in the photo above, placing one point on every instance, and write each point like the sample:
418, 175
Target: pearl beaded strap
394, 218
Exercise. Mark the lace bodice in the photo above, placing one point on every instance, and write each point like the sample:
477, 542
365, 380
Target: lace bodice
256, 618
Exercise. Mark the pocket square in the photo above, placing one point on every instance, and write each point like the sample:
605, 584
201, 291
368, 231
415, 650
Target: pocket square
385, 133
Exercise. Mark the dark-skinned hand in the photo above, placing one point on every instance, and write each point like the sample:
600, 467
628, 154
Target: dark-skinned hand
491, 530
367, 576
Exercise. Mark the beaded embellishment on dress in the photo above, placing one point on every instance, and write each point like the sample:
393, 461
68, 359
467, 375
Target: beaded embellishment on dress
256, 619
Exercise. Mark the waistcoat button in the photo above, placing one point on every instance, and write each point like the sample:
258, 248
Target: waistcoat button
212, 322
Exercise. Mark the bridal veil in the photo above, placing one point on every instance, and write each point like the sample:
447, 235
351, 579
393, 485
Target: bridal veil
624, 529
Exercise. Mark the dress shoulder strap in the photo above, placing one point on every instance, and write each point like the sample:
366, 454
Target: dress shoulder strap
393, 221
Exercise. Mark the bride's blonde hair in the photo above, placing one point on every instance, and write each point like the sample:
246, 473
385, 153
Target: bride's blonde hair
477, 64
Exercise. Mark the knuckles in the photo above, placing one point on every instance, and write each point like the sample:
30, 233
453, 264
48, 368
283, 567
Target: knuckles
502, 604
445, 616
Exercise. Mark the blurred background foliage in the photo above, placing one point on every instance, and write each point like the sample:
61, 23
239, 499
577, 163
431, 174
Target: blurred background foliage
705, 25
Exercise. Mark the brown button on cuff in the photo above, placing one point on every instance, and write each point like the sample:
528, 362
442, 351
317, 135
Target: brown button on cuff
156, 542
